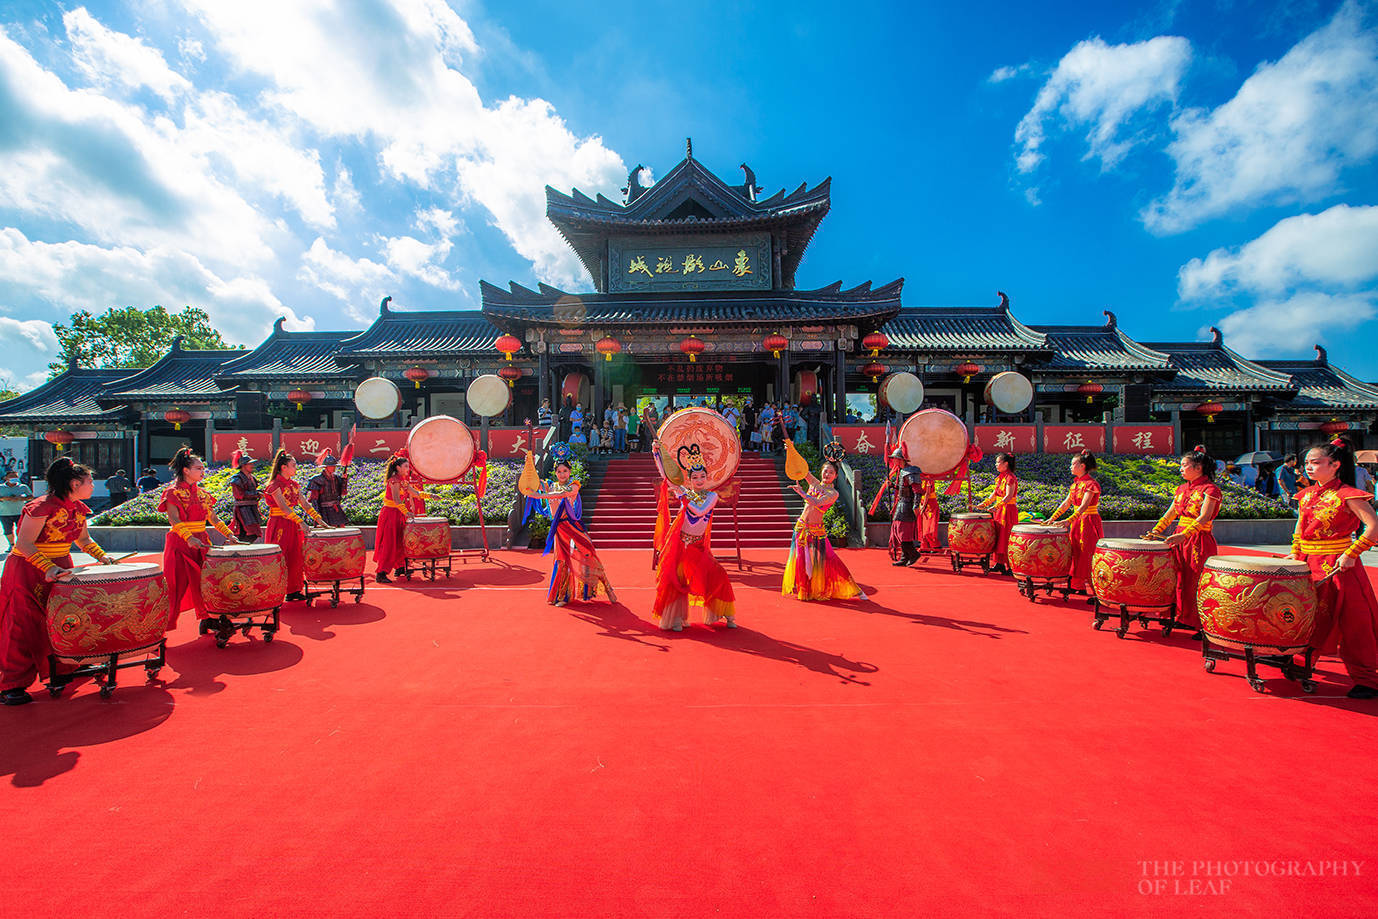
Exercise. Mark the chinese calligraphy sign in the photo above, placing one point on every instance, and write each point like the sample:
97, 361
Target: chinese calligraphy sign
700, 262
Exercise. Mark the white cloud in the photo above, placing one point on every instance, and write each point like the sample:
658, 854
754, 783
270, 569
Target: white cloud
437, 220
28, 346
1100, 88
1001, 74
110, 58
1287, 134
1283, 326
1337, 248
345, 194
410, 256
355, 282
191, 49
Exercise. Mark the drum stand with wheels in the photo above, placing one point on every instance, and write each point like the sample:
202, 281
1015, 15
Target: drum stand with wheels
224, 626
961, 560
1029, 586
1284, 660
428, 566
1165, 616
102, 667
335, 589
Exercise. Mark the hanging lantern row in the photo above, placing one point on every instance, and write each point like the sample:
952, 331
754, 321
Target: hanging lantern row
1089, 390
608, 346
692, 347
59, 439
1335, 426
875, 342
508, 345
967, 370
416, 375
775, 343
178, 417
1210, 410
874, 370
511, 375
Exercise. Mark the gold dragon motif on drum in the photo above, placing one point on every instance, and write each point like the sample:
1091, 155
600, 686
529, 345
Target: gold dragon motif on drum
1134, 578
247, 585
1040, 558
334, 559
106, 618
1246, 610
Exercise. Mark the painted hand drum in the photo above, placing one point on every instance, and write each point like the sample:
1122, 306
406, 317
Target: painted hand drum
488, 395
1009, 392
935, 440
238, 580
107, 609
1040, 551
709, 432
1251, 601
426, 537
441, 448
971, 533
1134, 572
902, 391
334, 555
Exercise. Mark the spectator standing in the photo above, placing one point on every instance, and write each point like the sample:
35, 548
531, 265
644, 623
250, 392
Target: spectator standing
13, 496
1363, 479
150, 481
1288, 481
118, 486
576, 419
1266, 482
619, 429
544, 415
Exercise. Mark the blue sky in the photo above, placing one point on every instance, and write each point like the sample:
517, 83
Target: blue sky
1185, 164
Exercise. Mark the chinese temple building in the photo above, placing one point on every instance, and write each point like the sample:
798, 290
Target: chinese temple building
694, 297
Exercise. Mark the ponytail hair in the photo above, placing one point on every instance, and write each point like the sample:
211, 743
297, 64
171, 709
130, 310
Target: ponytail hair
280, 459
1007, 459
180, 461
1201, 459
394, 463
65, 472
1340, 450
1086, 459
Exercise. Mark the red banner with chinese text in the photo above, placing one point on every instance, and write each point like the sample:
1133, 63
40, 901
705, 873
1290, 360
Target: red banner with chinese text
1006, 438
304, 445
863, 439
509, 442
259, 444
378, 445
1145, 439
1073, 438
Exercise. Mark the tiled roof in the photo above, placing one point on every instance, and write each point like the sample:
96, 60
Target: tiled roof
69, 398
307, 355
1322, 387
1098, 348
180, 375
434, 334
1211, 367
962, 329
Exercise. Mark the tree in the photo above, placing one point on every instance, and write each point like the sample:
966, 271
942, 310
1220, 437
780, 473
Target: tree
131, 337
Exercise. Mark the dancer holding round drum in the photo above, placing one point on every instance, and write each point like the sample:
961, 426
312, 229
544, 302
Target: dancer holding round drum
578, 573
188, 510
388, 554
1084, 523
1003, 503
1330, 513
286, 527
1194, 506
813, 570
686, 571
247, 522
42, 554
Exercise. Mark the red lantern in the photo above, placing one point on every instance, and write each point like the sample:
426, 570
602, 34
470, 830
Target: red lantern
1089, 390
511, 375
692, 347
874, 370
608, 346
59, 439
875, 341
178, 417
299, 396
1335, 426
416, 375
508, 345
967, 370
775, 343
1210, 410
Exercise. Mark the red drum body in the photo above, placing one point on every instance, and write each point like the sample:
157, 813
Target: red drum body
1040, 551
805, 387
108, 609
241, 580
971, 533
1255, 602
334, 555
426, 537
1134, 572
576, 388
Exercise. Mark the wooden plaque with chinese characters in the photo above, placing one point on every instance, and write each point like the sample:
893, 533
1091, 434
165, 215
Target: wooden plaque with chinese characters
706, 262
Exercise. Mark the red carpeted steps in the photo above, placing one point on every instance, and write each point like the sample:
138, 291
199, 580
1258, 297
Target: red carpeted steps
624, 510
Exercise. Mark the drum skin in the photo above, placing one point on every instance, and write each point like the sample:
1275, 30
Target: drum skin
441, 448
1040, 551
1255, 602
971, 533
111, 609
1134, 572
715, 438
902, 391
426, 537
334, 555
488, 395
377, 397
1009, 392
237, 583
935, 440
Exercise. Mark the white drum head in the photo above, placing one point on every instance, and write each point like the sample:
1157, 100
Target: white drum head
971, 515
1261, 564
935, 439
488, 395
431, 521
244, 551
333, 533
1040, 529
377, 397
1132, 545
1009, 392
94, 574
441, 448
902, 391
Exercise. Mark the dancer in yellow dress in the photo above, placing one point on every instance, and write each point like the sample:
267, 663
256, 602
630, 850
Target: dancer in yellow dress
813, 570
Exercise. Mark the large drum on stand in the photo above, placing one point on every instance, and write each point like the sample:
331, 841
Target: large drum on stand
1134, 574
1252, 605
1009, 392
243, 588
935, 440
704, 433
1040, 557
971, 539
101, 615
332, 557
377, 398
804, 388
426, 545
488, 396
576, 386
902, 391
441, 448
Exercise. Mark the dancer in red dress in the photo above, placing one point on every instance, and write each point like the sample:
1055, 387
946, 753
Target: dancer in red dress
1003, 502
1084, 522
286, 527
1331, 512
388, 553
813, 570
42, 553
686, 572
578, 572
188, 509
927, 494
1194, 506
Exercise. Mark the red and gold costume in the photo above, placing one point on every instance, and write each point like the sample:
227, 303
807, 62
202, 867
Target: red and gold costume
182, 561
1194, 525
928, 515
24, 588
1003, 502
1085, 528
248, 524
813, 570
1347, 612
388, 554
287, 529
687, 574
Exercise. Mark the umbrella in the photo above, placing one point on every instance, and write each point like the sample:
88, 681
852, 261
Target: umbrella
1258, 456
1366, 456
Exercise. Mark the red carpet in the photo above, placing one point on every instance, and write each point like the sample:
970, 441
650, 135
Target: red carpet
462, 749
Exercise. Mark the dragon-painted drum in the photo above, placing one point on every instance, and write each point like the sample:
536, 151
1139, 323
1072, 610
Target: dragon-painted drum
705, 431
242, 580
1041, 551
971, 533
108, 609
1134, 572
1251, 601
334, 555
426, 537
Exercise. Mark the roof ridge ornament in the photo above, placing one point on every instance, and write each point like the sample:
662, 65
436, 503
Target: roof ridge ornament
1321, 356
750, 188
1004, 301
1110, 321
634, 188
1217, 337
383, 307
688, 148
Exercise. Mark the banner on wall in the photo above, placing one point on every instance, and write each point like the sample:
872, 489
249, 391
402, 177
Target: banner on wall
508, 443
862, 439
259, 445
1007, 438
1144, 439
304, 445
1073, 438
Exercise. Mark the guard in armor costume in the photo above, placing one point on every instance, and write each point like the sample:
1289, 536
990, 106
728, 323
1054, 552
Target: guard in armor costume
1194, 506
247, 522
904, 522
813, 570
327, 490
578, 573
686, 572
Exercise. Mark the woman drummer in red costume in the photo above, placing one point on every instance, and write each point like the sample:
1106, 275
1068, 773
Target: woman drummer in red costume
1330, 513
42, 554
286, 527
1003, 503
188, 509
927, 495
1084, 522
398, 504
686, 571
1194, 506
